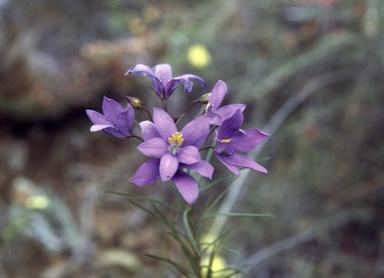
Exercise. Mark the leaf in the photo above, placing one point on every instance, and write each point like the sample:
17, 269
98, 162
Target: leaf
189, 232
129, 195
146, 210
237, 214
178, 267
216, 181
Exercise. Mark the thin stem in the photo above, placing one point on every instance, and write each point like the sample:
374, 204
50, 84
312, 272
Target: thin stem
206, 148
149, 114
137, 137
212, 131
212, 146
187, 110
163, 98
165, 104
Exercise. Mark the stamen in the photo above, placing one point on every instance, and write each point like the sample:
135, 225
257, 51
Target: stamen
177, 138
225, 140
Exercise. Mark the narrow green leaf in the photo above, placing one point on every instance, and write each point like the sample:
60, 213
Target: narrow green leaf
233, 270
238, 214
178, 267
185, 248
216, 181
189, 232
263, 159
146, 210
145, 198
217, 199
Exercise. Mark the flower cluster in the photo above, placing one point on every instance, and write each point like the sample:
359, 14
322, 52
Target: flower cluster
174, 153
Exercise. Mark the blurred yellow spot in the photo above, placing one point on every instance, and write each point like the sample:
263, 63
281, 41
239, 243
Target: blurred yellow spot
37, 202
198, 56
208, 243
215, 267
225, 140
218, 264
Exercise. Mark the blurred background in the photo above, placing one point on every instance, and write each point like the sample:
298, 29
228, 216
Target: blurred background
310, 72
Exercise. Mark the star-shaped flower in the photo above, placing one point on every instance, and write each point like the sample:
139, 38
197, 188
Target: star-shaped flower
231, 139
162, 81
215, 114
116, 120
173, 151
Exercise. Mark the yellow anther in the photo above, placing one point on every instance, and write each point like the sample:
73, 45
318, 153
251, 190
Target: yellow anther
225, 140
177, 138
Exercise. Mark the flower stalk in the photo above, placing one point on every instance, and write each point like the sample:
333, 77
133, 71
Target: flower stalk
173, 153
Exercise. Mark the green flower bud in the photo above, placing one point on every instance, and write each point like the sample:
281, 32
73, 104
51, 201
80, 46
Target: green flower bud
204, 98
134, 102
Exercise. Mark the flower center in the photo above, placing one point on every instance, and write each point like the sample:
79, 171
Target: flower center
176, 140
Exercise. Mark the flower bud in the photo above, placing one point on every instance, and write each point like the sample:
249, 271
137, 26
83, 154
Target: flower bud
204, 98
134, 102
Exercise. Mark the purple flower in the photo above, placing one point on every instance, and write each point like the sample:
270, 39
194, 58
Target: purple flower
162, 81
231, 139
116, 121
171, 152
215, 114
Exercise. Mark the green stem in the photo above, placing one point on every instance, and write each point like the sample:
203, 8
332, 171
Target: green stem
188, 223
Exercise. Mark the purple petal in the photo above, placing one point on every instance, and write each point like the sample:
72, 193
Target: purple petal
97, 118
202, 167
188, 155
239, 160
114, 132
244, 142
164, 123
95, 128
220, 146
195, 132
155, 147
163, 73
217, 94
141, 69
125, 121
101, 123
212, 116
111, 110
231, 125
147, 173
227, 111
168, 166
187, 186
222, 159
149, 131
185, 80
